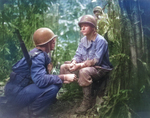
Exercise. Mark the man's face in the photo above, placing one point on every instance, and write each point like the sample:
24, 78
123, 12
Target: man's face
97, 14
86, 29
52, 44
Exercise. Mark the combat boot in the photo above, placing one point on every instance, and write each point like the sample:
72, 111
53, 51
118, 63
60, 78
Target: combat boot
87, 101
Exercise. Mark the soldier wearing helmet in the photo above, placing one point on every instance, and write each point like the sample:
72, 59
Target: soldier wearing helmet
98, 11
102, 20
91, 61
35, 87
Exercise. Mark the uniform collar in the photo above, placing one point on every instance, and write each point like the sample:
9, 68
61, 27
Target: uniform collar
86, 43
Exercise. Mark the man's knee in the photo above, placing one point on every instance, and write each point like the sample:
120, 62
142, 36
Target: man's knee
55, 88
84, 77
62, 66
84, 71
62, 69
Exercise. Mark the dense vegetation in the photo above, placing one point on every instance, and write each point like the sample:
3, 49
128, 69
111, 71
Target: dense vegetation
126, 29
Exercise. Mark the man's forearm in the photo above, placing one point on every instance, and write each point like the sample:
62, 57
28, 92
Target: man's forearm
87, 63
61, 77
80, 65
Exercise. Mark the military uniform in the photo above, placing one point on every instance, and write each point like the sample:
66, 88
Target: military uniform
33, 86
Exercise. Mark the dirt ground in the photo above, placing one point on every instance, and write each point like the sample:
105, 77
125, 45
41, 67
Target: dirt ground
61, 109
66, 109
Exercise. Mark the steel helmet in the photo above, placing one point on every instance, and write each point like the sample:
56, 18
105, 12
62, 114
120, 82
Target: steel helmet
98, 9
43, 35
89, 19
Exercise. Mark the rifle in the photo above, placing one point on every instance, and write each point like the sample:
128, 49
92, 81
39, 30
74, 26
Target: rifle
24, 49
3, 99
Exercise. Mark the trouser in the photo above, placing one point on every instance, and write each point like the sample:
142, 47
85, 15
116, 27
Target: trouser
37, 99
86, 75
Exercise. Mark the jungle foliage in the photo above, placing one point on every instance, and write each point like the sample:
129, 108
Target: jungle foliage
126, 29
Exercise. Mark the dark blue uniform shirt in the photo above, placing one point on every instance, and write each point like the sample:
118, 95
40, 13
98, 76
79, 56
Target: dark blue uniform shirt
38, 72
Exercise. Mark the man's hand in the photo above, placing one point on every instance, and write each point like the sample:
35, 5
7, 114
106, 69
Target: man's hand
68, 78
76, 66
73, 67
72, 64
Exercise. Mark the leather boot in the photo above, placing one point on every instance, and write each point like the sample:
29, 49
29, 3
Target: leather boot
87, 101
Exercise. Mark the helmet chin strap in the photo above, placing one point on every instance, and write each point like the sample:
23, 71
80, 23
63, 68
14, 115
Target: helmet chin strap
49, 52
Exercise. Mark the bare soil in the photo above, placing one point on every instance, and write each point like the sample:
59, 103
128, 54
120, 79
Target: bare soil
61, 109
66, 109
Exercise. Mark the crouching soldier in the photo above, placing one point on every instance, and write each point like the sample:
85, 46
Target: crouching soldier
33, 86
91, 61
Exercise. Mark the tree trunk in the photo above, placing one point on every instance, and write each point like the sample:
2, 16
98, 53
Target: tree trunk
131, 13
127, 23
